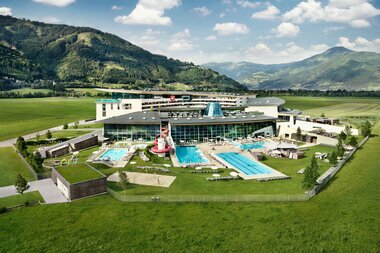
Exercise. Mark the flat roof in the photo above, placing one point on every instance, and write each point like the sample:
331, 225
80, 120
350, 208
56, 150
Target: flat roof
265, 101
174, 92
154, 117
76, 173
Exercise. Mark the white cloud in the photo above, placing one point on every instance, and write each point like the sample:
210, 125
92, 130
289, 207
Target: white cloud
247, 4
360, 44
222, 15
329, 29
147, 39
227, 2
202, 11
286, 29
181, 41
58, 3
6, 11
51, 20
268, 14
319, 47
116, 8
211, 37
149, 12
353, 12
230, 28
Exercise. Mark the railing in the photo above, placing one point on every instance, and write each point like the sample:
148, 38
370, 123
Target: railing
207, 198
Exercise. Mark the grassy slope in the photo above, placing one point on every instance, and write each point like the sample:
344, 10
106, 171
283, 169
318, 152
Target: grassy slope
21, 199
23, 116
343, 218
10, 166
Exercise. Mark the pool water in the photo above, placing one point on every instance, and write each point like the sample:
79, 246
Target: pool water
245, 165
248, 146
114, 154
190, 154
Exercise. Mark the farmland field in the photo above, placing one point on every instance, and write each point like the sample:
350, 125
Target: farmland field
23, 116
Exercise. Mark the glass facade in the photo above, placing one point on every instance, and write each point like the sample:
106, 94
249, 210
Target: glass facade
119, 132
229, 131
213, 110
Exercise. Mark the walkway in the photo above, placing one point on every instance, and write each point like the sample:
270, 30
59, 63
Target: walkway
48, 190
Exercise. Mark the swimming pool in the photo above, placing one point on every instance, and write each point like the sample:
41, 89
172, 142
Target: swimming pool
190, 154
113, 154
248, 146
243, 164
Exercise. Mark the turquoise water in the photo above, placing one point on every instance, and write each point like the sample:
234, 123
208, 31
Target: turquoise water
114, 154
248, 146
189, 154
245, 165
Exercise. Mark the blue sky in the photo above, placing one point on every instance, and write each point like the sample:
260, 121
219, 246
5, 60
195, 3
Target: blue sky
220, 30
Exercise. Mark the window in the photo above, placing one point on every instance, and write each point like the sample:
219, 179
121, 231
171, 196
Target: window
127, 106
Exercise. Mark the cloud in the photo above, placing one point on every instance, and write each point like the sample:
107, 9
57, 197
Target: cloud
51, 20
268, 14
181, 41
58, 3
329, 29
6, 11
353, 12
286, 29
149, 12
248, 4
319, 47
148, 39
230, 28
360, 44
116, 8
211, 37
202, 11
222, 15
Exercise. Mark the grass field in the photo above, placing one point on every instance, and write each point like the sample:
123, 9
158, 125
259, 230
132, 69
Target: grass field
21, 199
23, 116
24, 91
63, 134
344, 217
10, 166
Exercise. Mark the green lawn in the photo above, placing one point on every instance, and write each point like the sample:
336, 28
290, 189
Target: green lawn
75, 173
29, 90
10, 166
63, 134
95, 125
23, 116
344, 217
21, 199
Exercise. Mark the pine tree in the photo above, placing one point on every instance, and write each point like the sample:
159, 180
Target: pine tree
311, 174
49, 134
299, 134
366, 128
323, 115
21, 184
333, 159
348, 131
124, 182
21, 145
339, 147
352, 141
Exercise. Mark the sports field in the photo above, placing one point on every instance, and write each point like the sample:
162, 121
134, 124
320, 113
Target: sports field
23, 116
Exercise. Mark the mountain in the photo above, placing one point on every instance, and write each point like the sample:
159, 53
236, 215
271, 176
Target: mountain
336, 68
34, 50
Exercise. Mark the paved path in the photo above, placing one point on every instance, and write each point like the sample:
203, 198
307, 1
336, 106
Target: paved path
48, 190
10, 142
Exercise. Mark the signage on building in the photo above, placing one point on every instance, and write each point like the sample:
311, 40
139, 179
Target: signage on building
172, 98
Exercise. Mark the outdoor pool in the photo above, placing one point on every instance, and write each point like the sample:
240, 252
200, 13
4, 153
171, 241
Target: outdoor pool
248, 146
189, 155
113, 154
243, 164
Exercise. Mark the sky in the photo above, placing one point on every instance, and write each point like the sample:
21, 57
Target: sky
267, 32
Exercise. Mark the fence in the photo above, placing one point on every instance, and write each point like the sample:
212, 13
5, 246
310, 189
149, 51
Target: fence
333, 170
207, 198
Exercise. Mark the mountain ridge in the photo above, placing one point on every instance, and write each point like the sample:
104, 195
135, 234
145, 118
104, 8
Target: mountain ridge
336, 68
72, 54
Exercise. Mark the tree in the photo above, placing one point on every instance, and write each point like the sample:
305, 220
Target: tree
36, 161
352, 141
323, 115
311, 174
21, 145
366, 128
21, 184
339, 147
65, 126
299, 134
333, 159
38, 137
342, 136
49, 135
76, 125
124, 182
348, 131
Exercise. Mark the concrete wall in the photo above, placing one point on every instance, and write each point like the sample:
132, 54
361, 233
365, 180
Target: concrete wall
309, 126
58, 152
117, 109
92, 141
267, 110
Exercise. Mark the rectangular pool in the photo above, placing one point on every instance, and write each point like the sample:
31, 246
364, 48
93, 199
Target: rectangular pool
243, 164
113, 154
189, 155
255, 145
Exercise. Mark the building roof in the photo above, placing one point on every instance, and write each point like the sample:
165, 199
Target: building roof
154, 117
161, 92
266, 101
